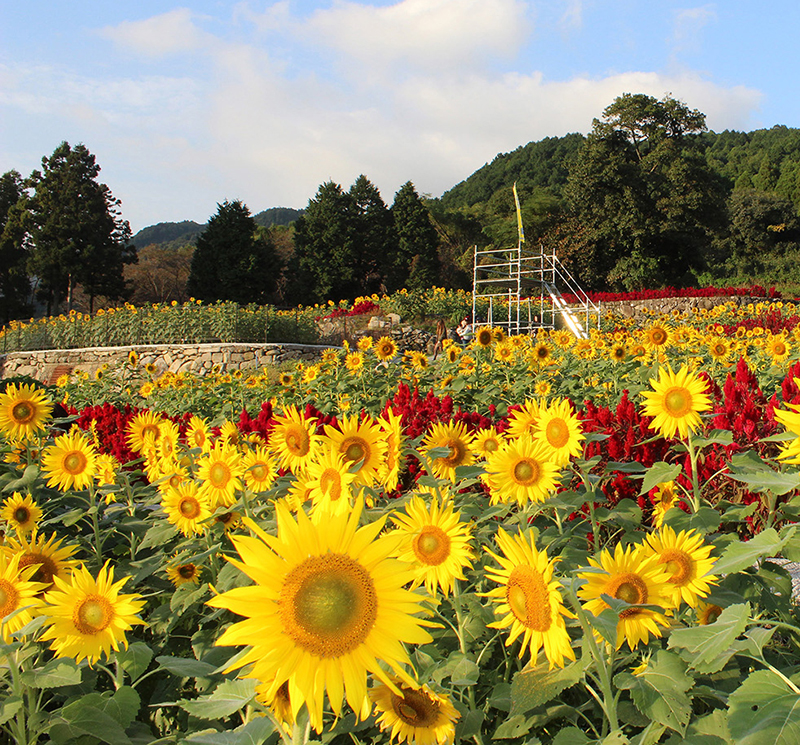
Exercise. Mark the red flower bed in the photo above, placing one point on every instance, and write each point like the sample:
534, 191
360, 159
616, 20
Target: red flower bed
667, 292
359, 309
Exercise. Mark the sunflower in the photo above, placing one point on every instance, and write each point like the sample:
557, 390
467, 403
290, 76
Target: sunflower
529, 599
385, 349
133, 358
328, 606
50, 558
637, 579
560, 431
707, 613
18, 595
484, 337
330, 482
414, 714
676, 401
452, 352
688, 561
365, 343
24, 411
106, 467
360, 442
229, 434
523, 421
719, 349
434, 541
197, 433
392, 426
521, 471
418, 360
187, 508
664, 498
487, 441
618, 352
278, 703
542, 353
457, 440
143, 427
220, 472
542, 388
293, 440
311, 373
584, 349
70, 463
182, 574
88, 617
260, 469
354, 362
778, 348
504, 351
167, 440
21, 513
656, 336
228, 520
467, 363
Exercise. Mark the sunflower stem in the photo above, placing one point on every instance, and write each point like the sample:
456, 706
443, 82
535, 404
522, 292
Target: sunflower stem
94, 507
695, 478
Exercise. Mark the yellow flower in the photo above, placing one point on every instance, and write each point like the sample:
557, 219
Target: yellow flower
688, 562
362, 444
24, 411
707, 613
521, 471
487, 441
70, 463
457, 440
676, 401
328, 605
664, 498
143, 430
392, 427
21, 513
529, 601
414, 714
637, 579
260, 470
18, 595
354, 362
365, 343
329, 482
560, 431
50, 558
182, 574
187, 509
293, 440
197, 433
523, 421
434, 541
88, 617
385, 349
220, 473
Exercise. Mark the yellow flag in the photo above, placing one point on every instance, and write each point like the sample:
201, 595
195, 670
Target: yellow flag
519, 215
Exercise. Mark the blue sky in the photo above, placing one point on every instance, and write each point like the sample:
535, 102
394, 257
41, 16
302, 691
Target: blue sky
186, 105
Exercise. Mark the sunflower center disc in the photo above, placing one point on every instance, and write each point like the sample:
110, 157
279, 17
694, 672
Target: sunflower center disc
529, 598
47, 567
150, 430
457, 452
678, 401
187, 571
432, 545
22, 412
22, 515
491, 446
557, 433
354, 449
219, 474
415, 708
9, 598
632, 589
297, 442
259, 472
331, 483
93, 615
526, 472
328, 605
189, 507
75, 462
679, 565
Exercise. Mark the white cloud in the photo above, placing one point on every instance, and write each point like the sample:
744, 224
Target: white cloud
572, 18
688, 25
169, 33
431, 34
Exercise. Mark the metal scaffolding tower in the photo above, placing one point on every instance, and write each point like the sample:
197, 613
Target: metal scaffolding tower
524, 291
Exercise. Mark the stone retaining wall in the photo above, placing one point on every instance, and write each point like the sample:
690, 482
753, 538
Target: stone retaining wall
640, 310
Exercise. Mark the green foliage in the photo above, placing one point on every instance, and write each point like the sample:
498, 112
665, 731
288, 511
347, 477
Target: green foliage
14, 283
233, 260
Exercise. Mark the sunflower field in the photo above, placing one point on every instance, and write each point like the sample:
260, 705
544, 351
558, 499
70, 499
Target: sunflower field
533, 539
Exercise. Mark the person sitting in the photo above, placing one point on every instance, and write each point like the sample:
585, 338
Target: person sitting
464, 331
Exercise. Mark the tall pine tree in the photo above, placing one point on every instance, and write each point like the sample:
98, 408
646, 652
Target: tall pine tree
14, 283
415, 265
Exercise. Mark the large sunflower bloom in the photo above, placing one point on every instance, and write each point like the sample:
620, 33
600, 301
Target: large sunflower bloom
528, 600
688, 561
87, 616
521, 471
70, 463
220, 473
21, 512
50, 558
414, 714
360, 441
560, 431
143, 430
457, 440
260, 470
435, 542
664, 498
385, 349
198, 433
293, 440
18, 595
523, 421
24, 411
328, 606
392, 426
676, 401
637, 579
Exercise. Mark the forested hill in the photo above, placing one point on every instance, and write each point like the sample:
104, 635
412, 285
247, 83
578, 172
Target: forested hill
178, 234
765, 159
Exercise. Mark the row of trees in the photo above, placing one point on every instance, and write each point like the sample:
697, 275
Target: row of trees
60, 228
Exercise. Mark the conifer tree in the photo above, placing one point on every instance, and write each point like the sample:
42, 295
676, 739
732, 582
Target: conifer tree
416, 263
